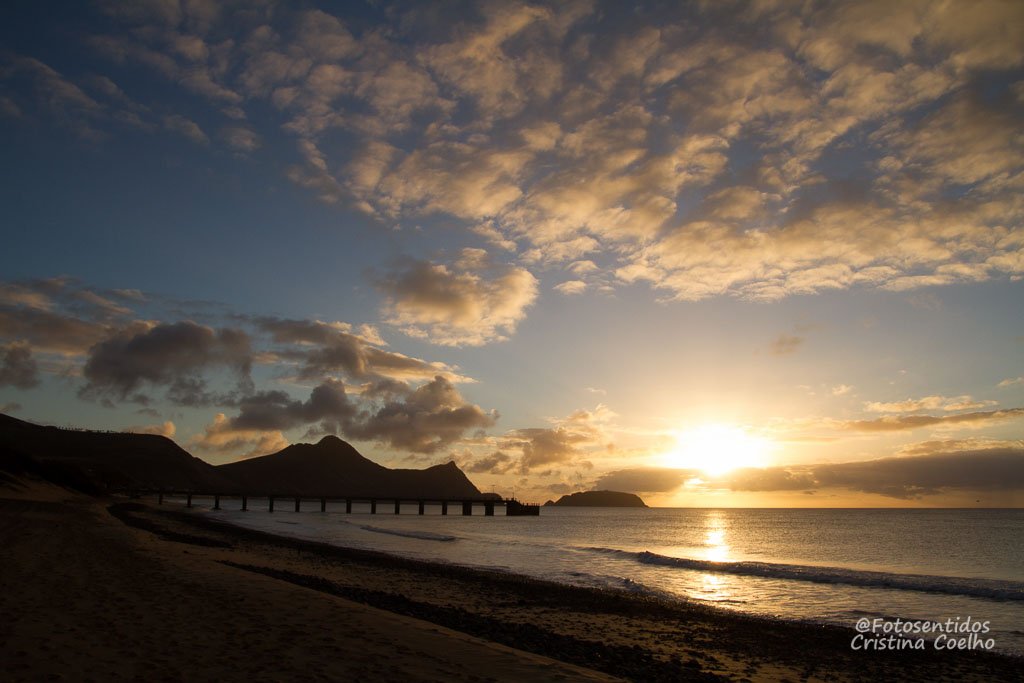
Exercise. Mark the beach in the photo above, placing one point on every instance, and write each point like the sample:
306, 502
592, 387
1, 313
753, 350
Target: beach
113, 589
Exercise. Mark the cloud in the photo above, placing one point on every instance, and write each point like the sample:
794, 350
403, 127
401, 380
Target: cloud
841, 389
10, 407
891, 423
17, 367
1010, 381
267, 411
953, 445
165, 354
326, 348
424, 419
785, 344
997, 469
571, 287
27, 294
564, 443
220, 437
185, 127
468, 303
48, 330
165, 429
911, 405
63, 101
643, 480
925, 469
771, 479
264, 415
498, 462
421, 420
241, 139
764, 153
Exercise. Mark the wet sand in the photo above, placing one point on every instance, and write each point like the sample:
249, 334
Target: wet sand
118, 590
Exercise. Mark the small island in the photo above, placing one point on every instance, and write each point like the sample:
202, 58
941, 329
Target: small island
605, 499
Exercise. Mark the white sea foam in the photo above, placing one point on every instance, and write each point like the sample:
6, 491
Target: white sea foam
980, 588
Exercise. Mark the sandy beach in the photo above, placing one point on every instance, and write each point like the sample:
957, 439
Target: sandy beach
111, 589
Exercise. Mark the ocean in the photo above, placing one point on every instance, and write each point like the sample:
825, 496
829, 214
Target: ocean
817, 565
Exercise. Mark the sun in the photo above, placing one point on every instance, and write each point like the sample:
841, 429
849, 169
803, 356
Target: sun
716, 449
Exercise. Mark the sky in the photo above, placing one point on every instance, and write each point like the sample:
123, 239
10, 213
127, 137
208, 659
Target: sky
713, 253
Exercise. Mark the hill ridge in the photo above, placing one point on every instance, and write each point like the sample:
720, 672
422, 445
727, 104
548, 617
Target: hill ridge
122, 460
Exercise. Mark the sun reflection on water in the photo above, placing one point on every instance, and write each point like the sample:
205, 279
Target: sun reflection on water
716, 547
717, 587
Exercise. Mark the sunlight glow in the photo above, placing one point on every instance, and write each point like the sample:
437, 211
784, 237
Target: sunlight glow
716, 449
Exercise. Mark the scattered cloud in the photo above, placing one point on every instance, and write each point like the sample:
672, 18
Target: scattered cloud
498, 462
912, 405
571, 287
241, 139
644, 480
841, 389
996, 469
276, 411
221, 437
566, 442
167, 354
17, 367
785, 344
329, 348
468, 303
421, 420
643, 163
892, 423
185, 127
58, 315
920, 470
1011, 381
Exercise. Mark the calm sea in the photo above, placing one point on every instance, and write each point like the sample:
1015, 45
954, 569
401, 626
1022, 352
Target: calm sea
833, 566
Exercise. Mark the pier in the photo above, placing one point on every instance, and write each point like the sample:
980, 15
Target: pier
512, 507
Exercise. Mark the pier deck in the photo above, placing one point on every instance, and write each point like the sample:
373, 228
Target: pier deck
513, 507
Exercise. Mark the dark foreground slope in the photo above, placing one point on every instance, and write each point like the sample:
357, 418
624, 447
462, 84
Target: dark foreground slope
99, 461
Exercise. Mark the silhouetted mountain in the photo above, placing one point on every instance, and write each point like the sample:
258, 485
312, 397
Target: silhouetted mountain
95, 461
334, 467
608, 499
98, 461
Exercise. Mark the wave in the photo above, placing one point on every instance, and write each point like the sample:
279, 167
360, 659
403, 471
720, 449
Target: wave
993, 589
422, 535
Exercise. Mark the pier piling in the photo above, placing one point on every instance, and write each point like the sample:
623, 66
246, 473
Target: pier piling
373, 507
188, 501
467, 508
422, 505
270, 508
216, 502
398, 507
298, 503
323, 505
245, 503
348, 506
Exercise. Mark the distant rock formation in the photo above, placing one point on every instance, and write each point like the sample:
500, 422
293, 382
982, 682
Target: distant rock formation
94, 462
608, 499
